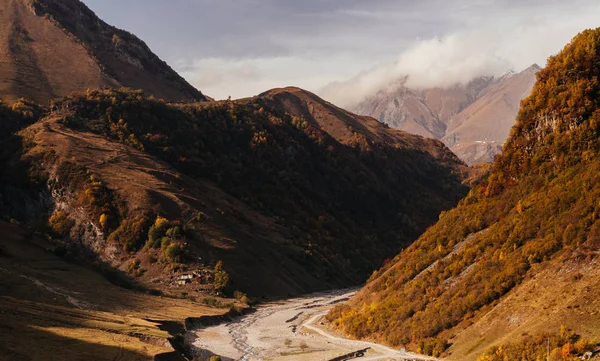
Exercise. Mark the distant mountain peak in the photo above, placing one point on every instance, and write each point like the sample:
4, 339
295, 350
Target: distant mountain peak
534, 67
473, 119
507, 74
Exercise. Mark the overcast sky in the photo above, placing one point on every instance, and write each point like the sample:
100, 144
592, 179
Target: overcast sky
244, 47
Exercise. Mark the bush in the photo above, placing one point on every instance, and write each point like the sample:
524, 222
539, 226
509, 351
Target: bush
130, 234
213, 302
174, 252
103, 221
563, 346
134, 268
165, 242
60, 224
174, 232
66, 251
242, 297
158, 231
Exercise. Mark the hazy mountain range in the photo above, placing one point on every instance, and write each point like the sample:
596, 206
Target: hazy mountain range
472, 119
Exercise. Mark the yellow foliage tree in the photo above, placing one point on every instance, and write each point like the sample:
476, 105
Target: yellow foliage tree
103, 221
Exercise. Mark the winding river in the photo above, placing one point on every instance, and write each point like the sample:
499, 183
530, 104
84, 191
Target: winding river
289, 330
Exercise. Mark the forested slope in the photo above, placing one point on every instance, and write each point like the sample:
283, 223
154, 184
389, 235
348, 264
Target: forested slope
293, 197
536, 214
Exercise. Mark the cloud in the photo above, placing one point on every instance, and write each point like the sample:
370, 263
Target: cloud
214, 71
244, 47
513, 43
224, 77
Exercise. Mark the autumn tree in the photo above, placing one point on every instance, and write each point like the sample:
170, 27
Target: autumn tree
221, 280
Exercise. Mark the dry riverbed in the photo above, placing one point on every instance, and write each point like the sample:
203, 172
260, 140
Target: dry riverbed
289, 330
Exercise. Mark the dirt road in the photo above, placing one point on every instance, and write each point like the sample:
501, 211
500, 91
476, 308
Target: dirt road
288, 330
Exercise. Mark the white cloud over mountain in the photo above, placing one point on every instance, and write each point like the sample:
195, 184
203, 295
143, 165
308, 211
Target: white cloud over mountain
242, 47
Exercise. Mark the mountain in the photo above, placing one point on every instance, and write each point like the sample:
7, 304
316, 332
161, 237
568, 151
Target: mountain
473, 119
478, 132
518, 257
284, 178
50, 48
425, 112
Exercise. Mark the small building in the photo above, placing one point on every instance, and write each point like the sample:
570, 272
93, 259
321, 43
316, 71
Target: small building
184, 282
186, 277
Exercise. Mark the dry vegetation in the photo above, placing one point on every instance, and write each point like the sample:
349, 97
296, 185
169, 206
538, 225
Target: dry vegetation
562, 346
533, 309
54, 310
51, 48
158, 189
538, 208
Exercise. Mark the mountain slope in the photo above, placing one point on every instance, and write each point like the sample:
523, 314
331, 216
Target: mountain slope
473, 120
282, 178
73, 313
425, 112
478, 132
348, 128
51, 48
491, 269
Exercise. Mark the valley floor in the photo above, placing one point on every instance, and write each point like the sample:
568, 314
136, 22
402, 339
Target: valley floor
289, 330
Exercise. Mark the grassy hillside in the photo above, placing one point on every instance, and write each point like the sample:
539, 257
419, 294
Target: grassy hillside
557, 346
51, 48
55, 310
537, 212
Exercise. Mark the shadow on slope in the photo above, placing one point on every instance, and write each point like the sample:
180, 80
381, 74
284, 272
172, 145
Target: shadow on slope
54, 310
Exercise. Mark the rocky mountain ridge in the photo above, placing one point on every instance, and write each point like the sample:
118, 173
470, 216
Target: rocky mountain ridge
472, 119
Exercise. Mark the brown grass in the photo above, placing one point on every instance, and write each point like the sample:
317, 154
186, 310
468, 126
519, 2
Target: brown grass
533, 308
49, 49
38, 60
54, 310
